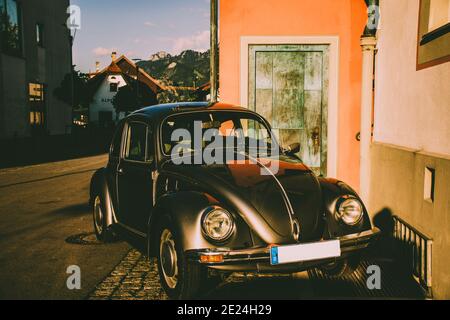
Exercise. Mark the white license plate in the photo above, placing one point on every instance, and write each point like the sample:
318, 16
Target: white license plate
305, 252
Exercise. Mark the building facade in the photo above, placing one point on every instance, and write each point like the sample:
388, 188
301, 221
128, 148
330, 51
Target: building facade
105, 84
410, 152
298, 63
35, 55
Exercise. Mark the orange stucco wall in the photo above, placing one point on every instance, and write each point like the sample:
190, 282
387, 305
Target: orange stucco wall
344, 18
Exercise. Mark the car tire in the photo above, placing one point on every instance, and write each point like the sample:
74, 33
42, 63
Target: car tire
102, 231
342, 268
179, 278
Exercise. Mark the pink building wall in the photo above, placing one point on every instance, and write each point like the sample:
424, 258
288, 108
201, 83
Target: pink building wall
343, 18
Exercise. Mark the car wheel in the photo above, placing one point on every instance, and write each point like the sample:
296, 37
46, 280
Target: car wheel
102, 231
341, 268
179, 278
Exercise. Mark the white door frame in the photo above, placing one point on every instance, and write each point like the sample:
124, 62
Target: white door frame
333, 89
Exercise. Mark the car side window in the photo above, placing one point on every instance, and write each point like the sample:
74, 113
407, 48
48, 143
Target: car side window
135, 148
150, 145
117, 141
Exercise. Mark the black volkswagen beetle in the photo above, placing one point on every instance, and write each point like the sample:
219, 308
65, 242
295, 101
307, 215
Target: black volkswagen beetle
258, 211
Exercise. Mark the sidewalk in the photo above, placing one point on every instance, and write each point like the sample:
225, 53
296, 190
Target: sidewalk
43, 149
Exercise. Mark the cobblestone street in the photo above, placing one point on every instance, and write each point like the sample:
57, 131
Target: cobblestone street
134, 278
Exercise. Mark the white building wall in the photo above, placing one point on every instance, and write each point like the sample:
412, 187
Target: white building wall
102, 100
412, 131
412, 108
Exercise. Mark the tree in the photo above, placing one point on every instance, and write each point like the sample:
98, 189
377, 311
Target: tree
81, 94
125, 100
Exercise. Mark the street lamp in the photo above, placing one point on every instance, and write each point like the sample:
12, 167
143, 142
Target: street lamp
138, 100
72, 32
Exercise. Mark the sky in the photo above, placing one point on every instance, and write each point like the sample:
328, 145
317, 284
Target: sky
138, 29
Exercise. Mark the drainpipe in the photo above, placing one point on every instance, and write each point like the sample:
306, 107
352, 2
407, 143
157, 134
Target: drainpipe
368, 45
214, 53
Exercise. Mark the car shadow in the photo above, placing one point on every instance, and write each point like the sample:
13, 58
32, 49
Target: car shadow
72, 210
267, 288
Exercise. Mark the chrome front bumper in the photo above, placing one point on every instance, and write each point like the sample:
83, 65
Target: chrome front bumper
259, 258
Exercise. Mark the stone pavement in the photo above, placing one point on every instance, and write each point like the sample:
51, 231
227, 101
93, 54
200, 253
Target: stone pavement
135, 278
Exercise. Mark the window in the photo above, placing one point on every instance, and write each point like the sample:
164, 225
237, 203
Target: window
433, 47
117, 141
36, 92
439, 14
113, 87
36, 98
40, 34
37, 118
232, 128
10, 27
150, 145
429, 184
135, 149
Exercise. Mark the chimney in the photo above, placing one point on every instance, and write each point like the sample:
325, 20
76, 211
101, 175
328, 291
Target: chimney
113, 56
97, 66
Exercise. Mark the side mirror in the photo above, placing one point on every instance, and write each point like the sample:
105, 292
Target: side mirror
293, 149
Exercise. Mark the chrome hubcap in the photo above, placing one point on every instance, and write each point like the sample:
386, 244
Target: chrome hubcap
169, 260
98, 215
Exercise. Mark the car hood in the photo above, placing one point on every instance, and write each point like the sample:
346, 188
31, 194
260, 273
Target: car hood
283, 192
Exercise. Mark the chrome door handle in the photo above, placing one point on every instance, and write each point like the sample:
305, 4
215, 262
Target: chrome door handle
120, 171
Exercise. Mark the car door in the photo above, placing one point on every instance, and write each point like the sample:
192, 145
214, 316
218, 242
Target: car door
113, 163
134, 176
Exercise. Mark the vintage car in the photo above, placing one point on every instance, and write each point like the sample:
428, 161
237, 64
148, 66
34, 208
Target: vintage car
205, 220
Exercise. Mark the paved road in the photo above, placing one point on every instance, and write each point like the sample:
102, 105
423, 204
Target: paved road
44, 206
41, 206
136, 278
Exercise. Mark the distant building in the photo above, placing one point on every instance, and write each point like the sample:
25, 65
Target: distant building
35, 55
104, 85
204, 92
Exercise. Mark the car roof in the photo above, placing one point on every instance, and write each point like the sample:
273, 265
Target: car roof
161, 111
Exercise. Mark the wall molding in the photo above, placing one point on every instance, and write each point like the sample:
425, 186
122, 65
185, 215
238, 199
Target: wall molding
412, 150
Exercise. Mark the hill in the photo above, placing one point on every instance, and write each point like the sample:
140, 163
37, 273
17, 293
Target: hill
189, 68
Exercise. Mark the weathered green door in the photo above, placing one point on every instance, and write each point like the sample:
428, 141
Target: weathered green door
288, 85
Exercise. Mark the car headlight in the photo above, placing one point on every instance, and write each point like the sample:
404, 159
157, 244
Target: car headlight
217, 224
349, 211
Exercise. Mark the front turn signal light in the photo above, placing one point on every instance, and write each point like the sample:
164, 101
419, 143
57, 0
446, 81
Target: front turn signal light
214, 258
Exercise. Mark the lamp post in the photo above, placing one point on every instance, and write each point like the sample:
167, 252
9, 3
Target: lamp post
138, 100
368, 45
72, 35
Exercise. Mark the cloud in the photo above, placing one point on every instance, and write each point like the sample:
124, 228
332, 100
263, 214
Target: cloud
102, 52
197, 42
149, 24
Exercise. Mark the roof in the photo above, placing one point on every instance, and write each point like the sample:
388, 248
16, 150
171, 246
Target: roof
164, 110
125, 66
113, 68
128, 68
205, 87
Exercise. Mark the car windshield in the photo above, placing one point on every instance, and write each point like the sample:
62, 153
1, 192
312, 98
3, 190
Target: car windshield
219, 129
